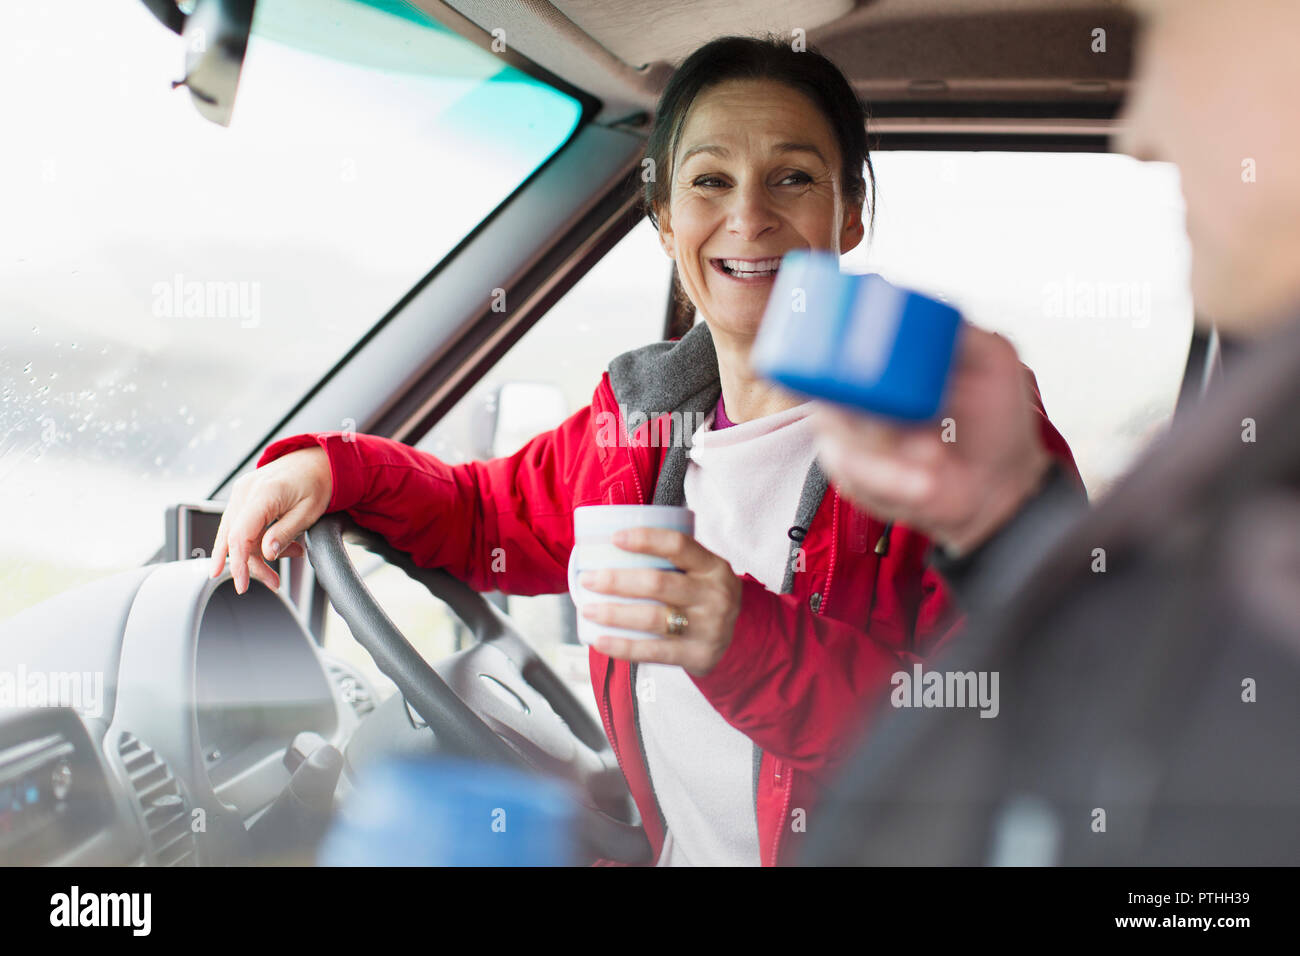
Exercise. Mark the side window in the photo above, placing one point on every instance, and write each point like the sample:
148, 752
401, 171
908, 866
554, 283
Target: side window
1080, 259
619, 305
550, 373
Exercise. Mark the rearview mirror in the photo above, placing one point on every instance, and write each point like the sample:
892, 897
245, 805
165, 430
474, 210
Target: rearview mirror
216, 38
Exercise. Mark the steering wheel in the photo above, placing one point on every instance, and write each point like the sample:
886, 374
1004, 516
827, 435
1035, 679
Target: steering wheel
497, 700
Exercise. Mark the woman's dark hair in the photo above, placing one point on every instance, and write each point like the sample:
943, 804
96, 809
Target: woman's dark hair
761, 58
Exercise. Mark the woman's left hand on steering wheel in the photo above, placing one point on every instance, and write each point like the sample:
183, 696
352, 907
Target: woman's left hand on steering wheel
697, 610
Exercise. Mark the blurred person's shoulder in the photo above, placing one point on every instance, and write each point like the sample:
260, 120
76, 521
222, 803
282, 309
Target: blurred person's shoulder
1163, 673
1149, 670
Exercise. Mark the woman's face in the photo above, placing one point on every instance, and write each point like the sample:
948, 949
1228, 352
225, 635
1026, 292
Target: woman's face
756, 174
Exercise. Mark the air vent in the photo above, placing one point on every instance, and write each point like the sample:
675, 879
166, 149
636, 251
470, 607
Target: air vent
351, 689
162, 804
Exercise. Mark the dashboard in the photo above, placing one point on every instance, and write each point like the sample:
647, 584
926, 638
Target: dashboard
168, 705
257, 684
53, 793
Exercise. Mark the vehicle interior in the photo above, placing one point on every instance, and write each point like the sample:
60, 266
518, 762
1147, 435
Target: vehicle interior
154, 717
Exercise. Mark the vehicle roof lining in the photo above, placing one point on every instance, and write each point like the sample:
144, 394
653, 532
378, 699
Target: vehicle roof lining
540, 32
898, 54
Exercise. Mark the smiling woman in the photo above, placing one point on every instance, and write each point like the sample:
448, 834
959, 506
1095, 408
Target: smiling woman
813, 163
743, 194
157, 272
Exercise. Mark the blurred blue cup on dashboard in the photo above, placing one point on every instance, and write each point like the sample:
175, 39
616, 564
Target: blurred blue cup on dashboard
856, 340
452, 812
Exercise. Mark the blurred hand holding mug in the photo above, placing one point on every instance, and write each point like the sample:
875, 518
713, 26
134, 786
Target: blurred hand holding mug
891, 361
958, 480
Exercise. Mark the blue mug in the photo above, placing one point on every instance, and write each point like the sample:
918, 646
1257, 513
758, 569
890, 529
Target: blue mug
856, 340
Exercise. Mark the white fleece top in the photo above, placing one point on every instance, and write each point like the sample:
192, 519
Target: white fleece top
743, 483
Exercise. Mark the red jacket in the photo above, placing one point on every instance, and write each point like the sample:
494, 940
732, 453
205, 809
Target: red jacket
803, 669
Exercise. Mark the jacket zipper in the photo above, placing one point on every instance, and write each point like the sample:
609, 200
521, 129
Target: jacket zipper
830, 569
606, 717
607, 720
645, 761
785, 809
636, 476
609, 724
636, 710
820, 612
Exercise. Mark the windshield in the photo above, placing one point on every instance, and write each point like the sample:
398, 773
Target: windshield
170, 288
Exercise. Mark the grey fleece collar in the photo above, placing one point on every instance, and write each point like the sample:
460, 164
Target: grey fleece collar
682, 376
668, 376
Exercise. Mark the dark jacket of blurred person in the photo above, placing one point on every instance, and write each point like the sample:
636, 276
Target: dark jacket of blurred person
1149, 665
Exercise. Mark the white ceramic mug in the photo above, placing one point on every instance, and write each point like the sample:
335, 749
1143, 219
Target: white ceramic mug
593, 549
